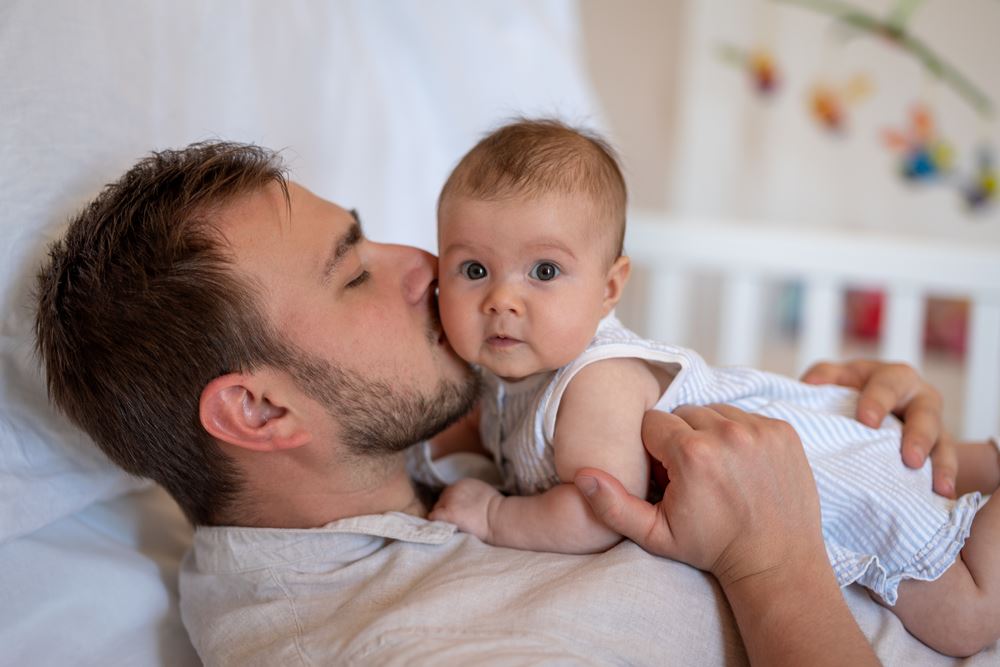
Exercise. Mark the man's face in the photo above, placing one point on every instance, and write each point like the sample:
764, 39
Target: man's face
363, 311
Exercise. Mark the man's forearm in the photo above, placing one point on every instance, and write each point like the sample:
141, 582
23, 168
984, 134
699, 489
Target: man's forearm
797, 616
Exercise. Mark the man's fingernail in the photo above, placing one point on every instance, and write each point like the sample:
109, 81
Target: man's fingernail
914, 457
587, 485
869, 417
947, 487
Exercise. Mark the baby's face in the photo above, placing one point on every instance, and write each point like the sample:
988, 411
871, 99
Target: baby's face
523, 283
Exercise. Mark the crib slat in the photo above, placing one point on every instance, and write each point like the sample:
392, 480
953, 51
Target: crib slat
982, 371
668, 309
822, 314
903, 325
740, 332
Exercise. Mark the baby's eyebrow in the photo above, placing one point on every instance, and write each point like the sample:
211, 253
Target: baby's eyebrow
458, 245
554, 245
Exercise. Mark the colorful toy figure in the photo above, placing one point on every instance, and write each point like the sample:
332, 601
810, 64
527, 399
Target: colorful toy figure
923, 153
982, 190
829, 104
827, 108
759, 65
763, 71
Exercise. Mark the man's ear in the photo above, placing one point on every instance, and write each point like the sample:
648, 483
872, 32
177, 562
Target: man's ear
615, 283
237, 409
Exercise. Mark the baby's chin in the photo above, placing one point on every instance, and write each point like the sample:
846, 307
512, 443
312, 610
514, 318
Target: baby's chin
509, 373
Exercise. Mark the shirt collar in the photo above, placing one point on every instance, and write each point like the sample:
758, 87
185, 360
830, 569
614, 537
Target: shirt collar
235, 548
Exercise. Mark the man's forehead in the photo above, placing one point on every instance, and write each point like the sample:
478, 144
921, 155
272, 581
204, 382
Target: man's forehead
266, 209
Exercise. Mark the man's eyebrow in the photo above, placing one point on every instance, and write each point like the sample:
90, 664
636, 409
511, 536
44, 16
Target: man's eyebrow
343, 245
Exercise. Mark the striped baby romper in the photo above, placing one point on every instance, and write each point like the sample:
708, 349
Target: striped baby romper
881, 521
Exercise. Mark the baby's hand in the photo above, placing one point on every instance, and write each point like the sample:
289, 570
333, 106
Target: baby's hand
466, 504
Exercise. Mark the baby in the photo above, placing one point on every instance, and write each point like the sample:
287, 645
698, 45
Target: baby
531, 224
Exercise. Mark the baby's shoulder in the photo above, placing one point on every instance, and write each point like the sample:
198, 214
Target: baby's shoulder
618, 380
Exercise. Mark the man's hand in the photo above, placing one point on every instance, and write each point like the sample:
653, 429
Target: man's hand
467, 504
741, 499
898, 388
741, 503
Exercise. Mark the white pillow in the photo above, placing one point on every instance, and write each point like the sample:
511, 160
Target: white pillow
374, 101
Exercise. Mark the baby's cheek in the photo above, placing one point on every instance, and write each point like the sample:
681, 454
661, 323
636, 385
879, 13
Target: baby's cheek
567, 343
458, 323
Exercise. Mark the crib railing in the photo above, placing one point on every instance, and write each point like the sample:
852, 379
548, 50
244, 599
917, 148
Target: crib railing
749, 256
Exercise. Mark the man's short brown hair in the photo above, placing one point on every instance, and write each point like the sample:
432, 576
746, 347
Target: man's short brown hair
534, 157
138, 309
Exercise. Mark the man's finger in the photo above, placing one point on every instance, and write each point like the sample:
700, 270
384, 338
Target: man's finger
659, 432
700, 417
921, 430
944, 463
846, 375
875, 402
733, 413
624, 513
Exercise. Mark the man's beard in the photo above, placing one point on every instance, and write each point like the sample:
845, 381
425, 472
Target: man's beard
377, 418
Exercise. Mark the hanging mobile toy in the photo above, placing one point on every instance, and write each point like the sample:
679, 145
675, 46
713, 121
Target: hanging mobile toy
829, 104
894, 29
924, 155
981, 192
759, 65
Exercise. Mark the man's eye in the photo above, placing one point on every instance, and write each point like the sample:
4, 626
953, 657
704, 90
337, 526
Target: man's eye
544, 271
362, 277
473, 270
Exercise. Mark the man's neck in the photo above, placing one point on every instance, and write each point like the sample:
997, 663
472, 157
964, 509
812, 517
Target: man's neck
369, 487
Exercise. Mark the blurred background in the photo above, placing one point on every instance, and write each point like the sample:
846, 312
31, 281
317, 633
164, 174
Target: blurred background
872, 116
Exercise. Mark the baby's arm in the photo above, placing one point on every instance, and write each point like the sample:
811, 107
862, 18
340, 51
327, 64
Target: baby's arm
978, 467
599, 425
462, 436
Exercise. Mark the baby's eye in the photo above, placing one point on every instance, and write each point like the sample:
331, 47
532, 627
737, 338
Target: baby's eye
473, 270
544, 271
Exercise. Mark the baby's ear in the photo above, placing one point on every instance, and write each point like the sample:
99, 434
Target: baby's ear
615, 283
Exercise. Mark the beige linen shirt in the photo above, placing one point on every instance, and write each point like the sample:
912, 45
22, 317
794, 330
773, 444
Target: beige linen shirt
395, 589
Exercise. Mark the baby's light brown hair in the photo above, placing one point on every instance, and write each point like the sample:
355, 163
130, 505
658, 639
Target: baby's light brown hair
535, 157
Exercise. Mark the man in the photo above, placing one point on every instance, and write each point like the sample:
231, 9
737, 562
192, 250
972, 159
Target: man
238, 340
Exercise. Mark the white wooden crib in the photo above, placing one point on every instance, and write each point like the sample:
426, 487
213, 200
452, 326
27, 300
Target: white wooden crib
747, 258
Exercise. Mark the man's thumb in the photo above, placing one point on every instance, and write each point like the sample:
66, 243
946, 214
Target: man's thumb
618, 509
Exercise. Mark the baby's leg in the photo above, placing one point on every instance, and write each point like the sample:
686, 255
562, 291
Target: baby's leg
959, 614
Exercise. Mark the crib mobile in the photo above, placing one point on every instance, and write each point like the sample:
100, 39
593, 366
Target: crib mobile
923, 155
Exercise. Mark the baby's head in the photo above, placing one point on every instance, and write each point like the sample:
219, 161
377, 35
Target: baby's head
530, 229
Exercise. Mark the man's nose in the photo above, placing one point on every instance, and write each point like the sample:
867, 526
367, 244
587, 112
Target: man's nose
503, 298
418, 271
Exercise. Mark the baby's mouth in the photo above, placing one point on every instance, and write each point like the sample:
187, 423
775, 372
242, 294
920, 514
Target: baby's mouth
502, 341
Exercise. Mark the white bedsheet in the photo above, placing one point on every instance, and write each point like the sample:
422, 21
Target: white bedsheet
97, 588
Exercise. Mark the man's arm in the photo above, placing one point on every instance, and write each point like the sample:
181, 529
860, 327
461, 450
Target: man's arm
742, 504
